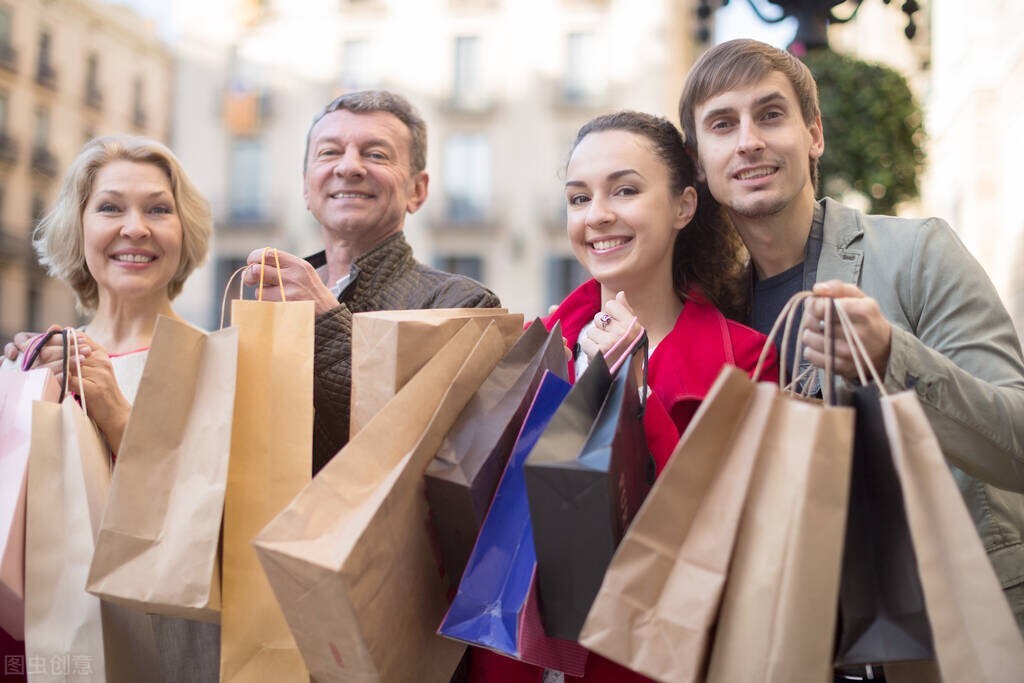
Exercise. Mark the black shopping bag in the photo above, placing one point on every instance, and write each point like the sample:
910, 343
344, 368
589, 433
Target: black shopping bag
585, 479
463, 476
882, 615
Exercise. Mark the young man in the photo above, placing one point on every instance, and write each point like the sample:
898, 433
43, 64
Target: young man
363, 171
929, 316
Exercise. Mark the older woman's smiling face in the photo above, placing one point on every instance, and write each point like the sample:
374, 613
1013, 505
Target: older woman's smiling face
132, 232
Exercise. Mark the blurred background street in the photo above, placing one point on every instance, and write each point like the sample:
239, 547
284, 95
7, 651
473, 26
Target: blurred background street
231, 86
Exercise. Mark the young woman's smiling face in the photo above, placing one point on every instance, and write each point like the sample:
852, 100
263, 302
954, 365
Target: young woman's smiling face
132, 233
623, 215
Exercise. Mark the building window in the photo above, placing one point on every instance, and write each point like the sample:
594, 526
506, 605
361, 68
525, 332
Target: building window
8, 149
43, 160
41, 129
584, 80
45, 73
357, 65
470, 266
467, 84
8, 57
564, 275
467, 177
138, 108
245, 182
93, 96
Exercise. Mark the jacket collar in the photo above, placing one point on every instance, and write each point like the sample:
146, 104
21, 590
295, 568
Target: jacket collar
377, 266
841, 258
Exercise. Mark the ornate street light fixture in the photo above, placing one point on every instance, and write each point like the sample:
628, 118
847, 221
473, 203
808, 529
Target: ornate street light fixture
813, 18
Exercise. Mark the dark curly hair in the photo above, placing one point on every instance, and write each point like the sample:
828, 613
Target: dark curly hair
709, 252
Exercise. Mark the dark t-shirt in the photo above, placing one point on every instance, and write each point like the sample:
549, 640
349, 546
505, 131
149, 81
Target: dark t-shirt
769, 295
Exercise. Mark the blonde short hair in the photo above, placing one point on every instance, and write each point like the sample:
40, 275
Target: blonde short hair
59, 241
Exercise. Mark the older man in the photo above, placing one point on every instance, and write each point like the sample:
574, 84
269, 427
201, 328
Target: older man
364, 171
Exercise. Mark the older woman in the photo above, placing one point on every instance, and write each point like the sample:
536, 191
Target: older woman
127, 230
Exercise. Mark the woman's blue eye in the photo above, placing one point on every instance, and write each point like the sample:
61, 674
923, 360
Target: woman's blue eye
578, 199
162, 209
107, 207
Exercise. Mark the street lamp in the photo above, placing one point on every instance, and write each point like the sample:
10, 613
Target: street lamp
813, 18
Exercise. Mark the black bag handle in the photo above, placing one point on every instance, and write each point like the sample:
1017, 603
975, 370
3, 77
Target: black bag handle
36, 347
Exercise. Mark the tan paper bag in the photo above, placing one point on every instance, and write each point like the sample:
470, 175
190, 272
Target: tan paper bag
778, 614
975, 635
18, 391
271, 461
389, 347
75, 635
657, 605
351, 559
158, 542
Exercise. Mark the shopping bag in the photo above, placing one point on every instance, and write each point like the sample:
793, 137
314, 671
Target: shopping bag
157, 548
496, 602
75, 635
882, 616
462, 478
778, 613
656, 608
389, 347
585, 480
270, 462
351, 558
18, 390
974, 634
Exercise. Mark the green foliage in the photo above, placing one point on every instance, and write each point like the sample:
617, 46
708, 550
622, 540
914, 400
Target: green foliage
874, 135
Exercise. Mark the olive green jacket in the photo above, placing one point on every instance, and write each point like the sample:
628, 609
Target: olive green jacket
955, 345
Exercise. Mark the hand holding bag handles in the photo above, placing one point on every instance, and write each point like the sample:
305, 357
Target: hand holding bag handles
974, 634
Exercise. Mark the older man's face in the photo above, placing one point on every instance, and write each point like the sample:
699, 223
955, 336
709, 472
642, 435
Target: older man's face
358, 181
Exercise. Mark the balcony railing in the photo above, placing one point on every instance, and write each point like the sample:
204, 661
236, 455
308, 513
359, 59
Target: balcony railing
44, 162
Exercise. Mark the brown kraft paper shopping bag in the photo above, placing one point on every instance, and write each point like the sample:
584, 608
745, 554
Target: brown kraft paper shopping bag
76, 635
271, 461
157, 549
657, 605
351, 559
975, 635
389, 347
778, 614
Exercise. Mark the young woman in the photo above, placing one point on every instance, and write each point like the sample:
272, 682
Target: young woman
660, 258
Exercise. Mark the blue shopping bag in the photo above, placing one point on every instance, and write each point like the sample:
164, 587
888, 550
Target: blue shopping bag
496, 603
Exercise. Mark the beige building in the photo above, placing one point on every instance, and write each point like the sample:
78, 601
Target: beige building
502, 84
69, 70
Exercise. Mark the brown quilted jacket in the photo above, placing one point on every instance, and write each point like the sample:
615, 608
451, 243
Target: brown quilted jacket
387, 278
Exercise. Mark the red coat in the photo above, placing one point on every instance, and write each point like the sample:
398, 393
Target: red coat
680, 373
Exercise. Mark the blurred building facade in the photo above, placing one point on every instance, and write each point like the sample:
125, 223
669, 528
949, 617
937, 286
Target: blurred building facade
502, 84
69, 70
